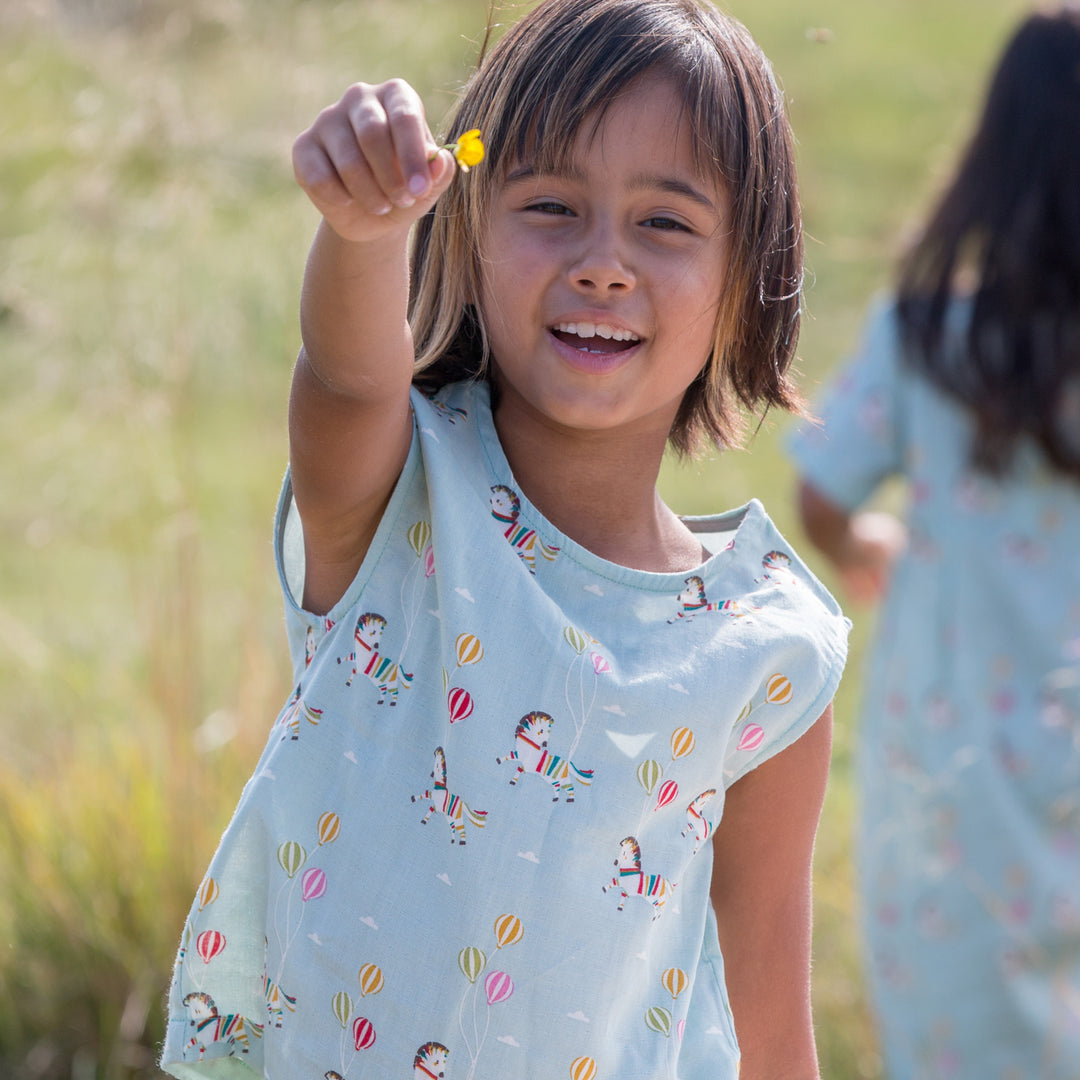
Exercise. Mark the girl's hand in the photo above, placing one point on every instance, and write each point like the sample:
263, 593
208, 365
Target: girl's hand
874, 541
370, 164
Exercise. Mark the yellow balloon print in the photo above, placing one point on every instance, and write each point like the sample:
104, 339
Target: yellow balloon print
508, 930
469, 650
778, 690
371, 980
682, 742
208, 893
583, 1068
328, 827
674, 981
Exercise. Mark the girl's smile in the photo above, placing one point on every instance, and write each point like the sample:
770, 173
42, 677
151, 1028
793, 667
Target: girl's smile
602, 282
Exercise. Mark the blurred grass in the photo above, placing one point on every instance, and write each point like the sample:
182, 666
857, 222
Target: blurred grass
151, 246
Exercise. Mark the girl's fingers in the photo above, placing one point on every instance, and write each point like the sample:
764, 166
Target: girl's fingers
413, 144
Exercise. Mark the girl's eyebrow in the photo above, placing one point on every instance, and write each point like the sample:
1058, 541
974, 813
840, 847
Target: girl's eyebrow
672, 185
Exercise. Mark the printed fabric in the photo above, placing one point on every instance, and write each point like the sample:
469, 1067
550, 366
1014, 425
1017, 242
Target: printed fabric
969, 765
477, 843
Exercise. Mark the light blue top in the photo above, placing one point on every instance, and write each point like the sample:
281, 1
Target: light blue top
476, 842
970, 738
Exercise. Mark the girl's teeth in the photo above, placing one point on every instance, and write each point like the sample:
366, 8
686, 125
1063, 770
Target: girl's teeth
603, 330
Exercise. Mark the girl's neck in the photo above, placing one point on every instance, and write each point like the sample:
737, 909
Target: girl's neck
600, 490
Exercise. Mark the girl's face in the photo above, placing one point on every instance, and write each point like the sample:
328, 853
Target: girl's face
601, 285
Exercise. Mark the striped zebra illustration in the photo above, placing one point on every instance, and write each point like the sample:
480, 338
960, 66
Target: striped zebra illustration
452, 807
505, 508
777, 567
531, 754
387, 676
211, 1027
631, 880
697, 824
693, 602
430, 1062
296, 709
277, 1001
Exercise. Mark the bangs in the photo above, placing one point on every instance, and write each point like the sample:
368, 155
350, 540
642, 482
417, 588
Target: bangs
532, 110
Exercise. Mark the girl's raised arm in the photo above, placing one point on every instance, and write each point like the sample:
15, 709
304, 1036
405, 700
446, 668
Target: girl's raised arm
371, 167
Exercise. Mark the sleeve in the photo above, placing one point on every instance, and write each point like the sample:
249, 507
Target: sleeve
806, 651
860, 441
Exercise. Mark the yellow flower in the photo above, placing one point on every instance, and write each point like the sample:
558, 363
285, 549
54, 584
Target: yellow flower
469, 150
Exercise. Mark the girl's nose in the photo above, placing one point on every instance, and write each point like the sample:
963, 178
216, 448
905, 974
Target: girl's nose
601, 266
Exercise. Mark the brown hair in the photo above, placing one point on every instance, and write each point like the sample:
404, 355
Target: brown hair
1010, 219
557, 70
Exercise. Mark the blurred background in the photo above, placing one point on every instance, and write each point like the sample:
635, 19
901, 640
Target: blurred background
151, 247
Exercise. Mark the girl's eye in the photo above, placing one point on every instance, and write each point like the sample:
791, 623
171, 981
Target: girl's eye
666, 224
549, 208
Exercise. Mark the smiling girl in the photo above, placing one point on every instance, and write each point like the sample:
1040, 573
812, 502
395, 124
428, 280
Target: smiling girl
492, 368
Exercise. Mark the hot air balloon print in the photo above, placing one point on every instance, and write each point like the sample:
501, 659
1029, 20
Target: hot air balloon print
312, 884
508, 930
600, 664
778, 690
329, 826
208, 892
648, 772
752, 737
371, 980
210, 943
658, 1019
291, 856
668, 790
459, 704
498, 986
674, 981
472, 962
363, 1033
418, 536
575, 639
342, 1006
469, 650
583, 1068
682, 742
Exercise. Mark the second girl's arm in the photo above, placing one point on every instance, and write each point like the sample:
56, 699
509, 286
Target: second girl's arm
367, 164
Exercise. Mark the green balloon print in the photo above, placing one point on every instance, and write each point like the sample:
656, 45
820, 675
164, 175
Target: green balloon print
291, 856
419, 534
342, 1008
648, 772
575, 639
659, 1019
472, 962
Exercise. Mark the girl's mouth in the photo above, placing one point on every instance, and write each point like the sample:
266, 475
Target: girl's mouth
595, 337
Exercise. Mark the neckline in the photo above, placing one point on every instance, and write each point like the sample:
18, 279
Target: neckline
725, 528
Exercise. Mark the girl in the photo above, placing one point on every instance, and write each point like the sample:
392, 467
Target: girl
968, 386
517, 763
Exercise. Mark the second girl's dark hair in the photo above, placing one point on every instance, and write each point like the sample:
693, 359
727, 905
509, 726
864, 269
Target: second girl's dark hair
1010, 220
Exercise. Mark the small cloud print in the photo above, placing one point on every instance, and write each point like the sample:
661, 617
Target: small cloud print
580, 1016
509, 1040
350, 756
267, 774
444, 878
616, 709
465, 595
529, 856
594, 589
428, 431
314, 938
367, 920
678, 688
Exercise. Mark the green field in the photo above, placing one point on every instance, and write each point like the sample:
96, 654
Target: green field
151, 247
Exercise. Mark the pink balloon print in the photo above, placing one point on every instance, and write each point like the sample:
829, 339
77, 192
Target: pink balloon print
499, 986
668, 790
752, 737
209, 944
429, 562
363, 1033
680, 1027
600, 665
460, 704
312, 884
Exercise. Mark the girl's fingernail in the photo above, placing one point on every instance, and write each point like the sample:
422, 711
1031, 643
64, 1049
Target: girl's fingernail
418, 184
